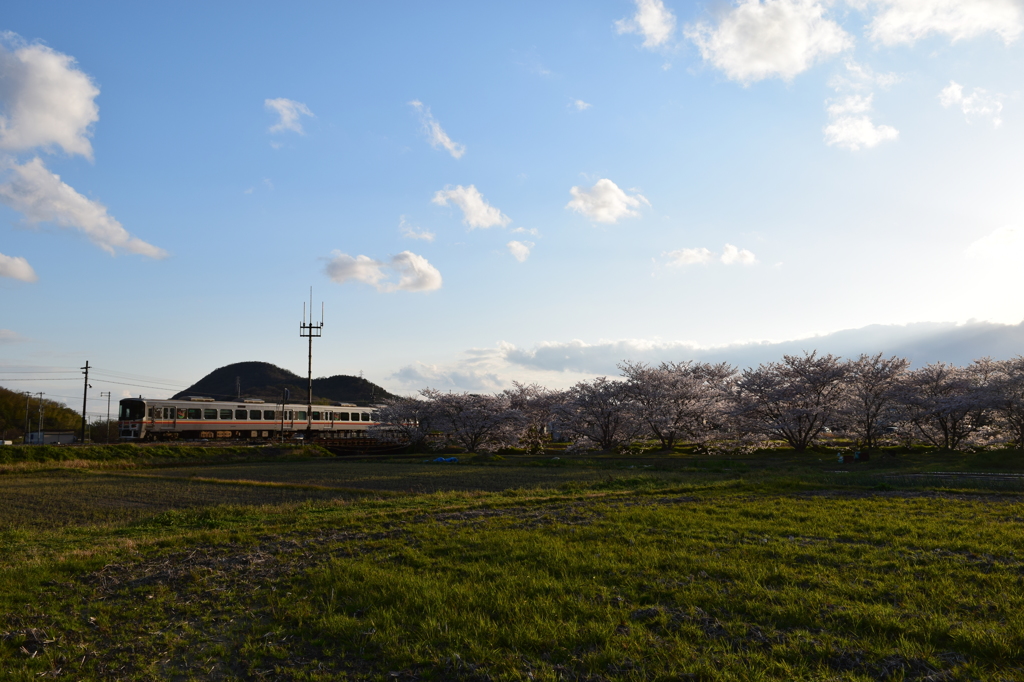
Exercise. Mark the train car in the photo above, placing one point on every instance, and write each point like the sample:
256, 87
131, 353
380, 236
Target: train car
205, 418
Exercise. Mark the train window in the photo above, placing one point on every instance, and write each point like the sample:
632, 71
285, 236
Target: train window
341, 416
268, 414
254, 414
316, 416
240, 414
151, 413
301, 415
288, 414
366, 416
209, 414
225, 414
194, 413
181, 412
168, 413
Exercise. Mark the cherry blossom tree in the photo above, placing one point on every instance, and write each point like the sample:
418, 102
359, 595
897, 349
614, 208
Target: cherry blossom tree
535, 405
950, 407
680, 400
478, 423
872, 398
794, 400
598, 413
404, 419
1009, 399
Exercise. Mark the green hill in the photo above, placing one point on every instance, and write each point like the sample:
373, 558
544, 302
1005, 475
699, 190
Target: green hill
56, 416
266, 381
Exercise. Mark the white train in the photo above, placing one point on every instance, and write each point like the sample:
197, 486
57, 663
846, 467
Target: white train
206, 418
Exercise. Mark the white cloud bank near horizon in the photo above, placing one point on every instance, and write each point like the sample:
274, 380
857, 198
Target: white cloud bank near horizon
413, 271
558, 365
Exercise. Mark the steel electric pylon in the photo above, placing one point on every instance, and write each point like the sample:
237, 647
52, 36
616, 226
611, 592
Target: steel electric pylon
311, 331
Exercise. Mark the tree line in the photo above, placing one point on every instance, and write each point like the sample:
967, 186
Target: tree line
800, 401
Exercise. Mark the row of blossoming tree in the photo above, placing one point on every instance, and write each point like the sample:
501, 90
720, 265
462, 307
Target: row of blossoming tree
800, 401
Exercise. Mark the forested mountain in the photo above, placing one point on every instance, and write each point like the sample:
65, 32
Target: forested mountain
56, 416
268, 382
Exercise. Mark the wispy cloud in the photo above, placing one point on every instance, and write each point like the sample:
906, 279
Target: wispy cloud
289, 113
777, 38
10, 336
605, 202
652, 20
413, 272
436, 135
907, 21
731, 255
979, 104
18, 268
413, 232
580, 105
42, 197
476, 212
851, 126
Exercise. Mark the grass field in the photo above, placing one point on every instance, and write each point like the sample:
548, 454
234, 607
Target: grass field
773, 568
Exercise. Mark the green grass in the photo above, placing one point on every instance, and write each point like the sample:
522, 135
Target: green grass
545, 573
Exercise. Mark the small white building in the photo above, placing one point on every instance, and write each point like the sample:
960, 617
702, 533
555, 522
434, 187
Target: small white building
50, 438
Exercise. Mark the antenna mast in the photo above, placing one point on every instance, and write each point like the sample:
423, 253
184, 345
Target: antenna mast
310, 330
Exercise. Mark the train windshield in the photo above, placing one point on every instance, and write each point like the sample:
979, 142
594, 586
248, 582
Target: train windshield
132, 410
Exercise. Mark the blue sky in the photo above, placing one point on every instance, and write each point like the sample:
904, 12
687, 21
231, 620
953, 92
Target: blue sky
465, 183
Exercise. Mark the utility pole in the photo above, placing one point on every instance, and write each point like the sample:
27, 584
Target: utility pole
85, 397
310, 331
28, 419
106, 394
40, 424
285, 397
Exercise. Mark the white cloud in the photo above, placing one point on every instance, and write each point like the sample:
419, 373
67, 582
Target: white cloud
652, 20
682, 257
42, 197
979, 104
413, 271
16, 267
731, 255
10, 336
46, 101
520, 250
757, 40
422, 375
852, 128
907, 21
289, 112
859, 77
1006, 244
533, 231
476, 212
435, 133
413, 232
605, 202
581, 105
